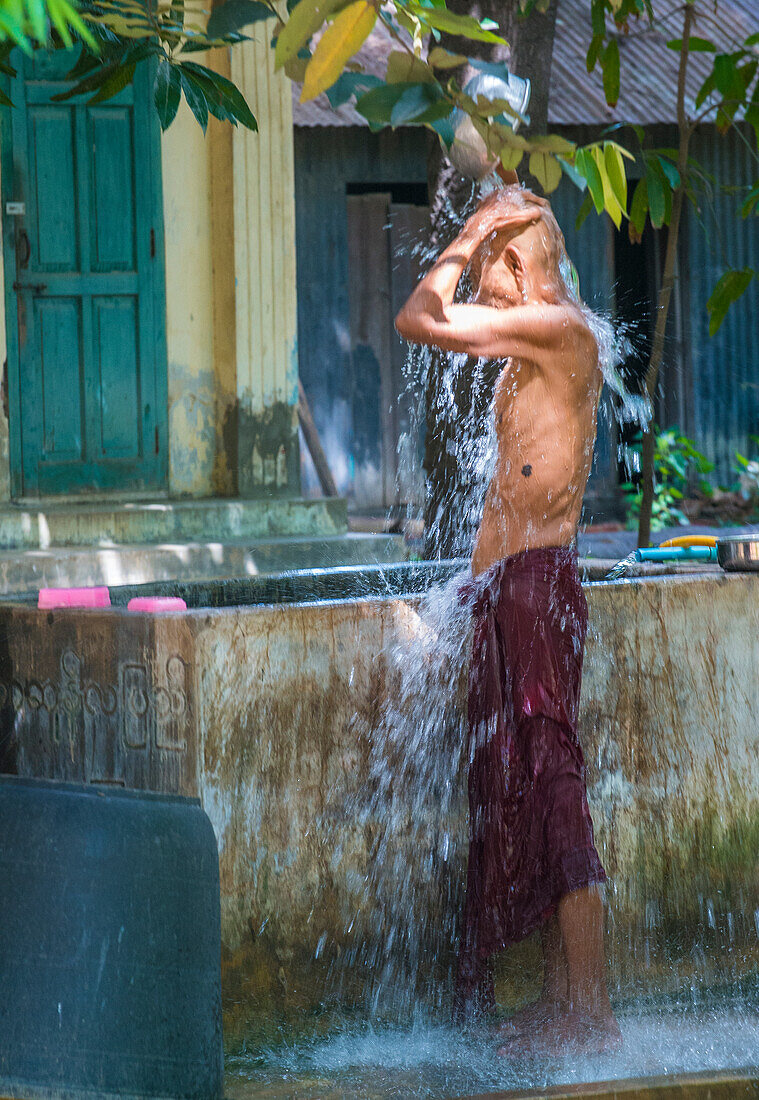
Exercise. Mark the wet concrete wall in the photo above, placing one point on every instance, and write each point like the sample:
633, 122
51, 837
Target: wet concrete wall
271, 715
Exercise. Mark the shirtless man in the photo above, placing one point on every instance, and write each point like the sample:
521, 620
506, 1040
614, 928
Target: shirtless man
532, 859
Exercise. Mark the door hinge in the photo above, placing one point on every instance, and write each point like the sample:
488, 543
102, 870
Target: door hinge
152, 244
156, 439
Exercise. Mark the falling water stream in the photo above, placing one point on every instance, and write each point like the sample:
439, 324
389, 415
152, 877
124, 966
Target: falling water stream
398, 1041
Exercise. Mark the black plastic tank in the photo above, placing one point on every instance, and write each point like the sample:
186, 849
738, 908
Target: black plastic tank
109, 943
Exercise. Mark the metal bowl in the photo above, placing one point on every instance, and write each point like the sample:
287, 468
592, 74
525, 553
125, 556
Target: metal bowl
739, 553
469, 154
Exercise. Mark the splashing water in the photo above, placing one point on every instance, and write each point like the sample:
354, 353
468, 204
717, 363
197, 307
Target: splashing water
429, 1061
413, 807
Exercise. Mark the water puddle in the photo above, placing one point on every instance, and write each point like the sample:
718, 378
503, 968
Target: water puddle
433, 1062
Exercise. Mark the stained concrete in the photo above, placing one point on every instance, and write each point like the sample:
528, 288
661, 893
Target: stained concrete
267, 713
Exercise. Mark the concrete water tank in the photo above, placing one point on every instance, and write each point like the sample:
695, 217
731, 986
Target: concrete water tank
109, 943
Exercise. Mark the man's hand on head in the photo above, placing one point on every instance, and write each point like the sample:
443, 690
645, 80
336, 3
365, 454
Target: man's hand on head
501, 211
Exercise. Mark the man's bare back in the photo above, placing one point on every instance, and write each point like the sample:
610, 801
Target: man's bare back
546, 396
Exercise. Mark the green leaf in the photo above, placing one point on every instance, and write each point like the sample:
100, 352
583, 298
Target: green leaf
552, 143
167, 91
235, 14
727, 76
228, 100
610, 70
84, 64
585, 209
420, 103
439, 58
751, 205
588, 169
695, 44
594, 52
350, 84
115, 83
615, 170
670, 170
195, 95
579, 181
729, 289
611, 206
447, 21
657, 202
546, 170
90, 83
443, 127
639, 207
377, 105
404, 68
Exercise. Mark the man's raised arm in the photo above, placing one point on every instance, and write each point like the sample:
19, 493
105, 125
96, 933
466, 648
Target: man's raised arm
430, 316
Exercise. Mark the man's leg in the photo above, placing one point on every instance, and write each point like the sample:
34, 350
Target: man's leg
581, 923
554, 996
588, 1024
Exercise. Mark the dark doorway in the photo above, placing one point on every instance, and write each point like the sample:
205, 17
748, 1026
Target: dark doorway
385, 229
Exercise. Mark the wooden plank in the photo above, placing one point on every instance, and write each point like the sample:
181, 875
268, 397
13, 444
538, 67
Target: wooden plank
371, 335
409, 230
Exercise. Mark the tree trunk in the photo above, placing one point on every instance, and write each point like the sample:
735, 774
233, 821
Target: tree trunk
685, 129
529, 54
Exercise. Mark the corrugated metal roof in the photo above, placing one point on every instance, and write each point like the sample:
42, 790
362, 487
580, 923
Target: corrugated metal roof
649, 69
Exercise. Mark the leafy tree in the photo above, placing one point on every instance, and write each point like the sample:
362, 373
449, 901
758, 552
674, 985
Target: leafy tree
670, 177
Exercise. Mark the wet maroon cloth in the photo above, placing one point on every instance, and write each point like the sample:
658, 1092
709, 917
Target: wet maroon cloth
530, 830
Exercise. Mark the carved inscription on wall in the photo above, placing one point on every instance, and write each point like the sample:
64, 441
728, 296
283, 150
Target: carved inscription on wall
134, 732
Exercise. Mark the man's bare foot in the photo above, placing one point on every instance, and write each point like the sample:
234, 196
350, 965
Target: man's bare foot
568, 1035
532, 1016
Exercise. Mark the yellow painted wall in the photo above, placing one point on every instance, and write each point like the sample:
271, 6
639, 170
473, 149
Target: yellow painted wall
189, 307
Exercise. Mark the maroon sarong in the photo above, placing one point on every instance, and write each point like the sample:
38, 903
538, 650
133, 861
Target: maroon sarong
530, 830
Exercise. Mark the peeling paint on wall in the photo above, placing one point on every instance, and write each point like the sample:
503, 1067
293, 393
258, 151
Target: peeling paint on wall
267, 449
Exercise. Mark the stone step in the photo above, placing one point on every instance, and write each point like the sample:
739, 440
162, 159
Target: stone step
25, 571
142, 522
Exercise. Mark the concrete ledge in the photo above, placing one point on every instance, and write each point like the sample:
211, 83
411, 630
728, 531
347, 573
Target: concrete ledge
24, 572
729, 1085
130, 522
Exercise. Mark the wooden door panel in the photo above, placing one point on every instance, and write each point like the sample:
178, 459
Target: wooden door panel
116, 338
54, 220
58, 323
112, 240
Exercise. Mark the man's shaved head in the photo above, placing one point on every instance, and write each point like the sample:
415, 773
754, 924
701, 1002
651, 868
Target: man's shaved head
533, 251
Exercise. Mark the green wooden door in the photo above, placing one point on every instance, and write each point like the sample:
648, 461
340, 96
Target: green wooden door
85, 300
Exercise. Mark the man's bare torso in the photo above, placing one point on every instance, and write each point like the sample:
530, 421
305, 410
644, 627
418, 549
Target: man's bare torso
546, 396
545, 424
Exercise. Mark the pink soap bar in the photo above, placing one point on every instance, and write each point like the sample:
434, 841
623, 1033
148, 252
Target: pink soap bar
157, 603
98, 596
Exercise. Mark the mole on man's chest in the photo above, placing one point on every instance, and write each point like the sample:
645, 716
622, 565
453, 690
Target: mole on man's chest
527, 470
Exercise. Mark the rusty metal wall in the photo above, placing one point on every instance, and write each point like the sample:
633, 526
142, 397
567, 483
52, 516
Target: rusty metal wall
722, 407
591, 250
